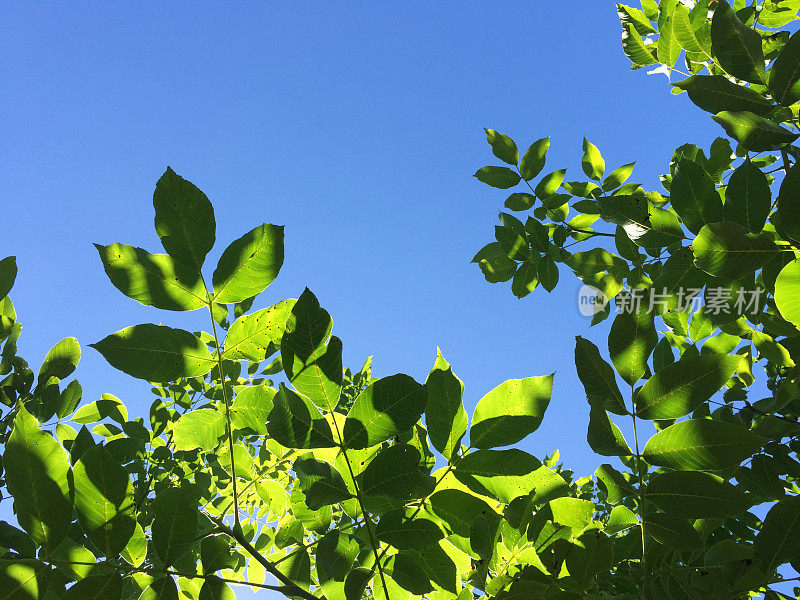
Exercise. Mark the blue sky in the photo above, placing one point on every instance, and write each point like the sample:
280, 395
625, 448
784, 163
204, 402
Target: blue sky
358, 127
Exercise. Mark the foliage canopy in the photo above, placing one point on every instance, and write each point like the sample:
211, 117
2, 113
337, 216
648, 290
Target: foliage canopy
264, 456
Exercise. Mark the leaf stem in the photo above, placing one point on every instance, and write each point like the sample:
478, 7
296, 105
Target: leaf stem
228, 425
237, 535
641, 488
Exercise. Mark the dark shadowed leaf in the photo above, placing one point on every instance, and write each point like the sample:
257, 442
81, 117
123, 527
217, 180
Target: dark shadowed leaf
184, 219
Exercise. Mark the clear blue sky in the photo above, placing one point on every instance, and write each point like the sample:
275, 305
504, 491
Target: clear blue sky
357, 126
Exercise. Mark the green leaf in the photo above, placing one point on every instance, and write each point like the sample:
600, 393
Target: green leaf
216, 589
778, 542
295, 422
386, 408
184, 219
634, 47
249, 264
789, 203
199, 429
547, 273
161, 589
728, 250
24, 579
672, 531
251, 408
694, 196
445, 417
787, 292
617, 177
8, 273
593, 554
135, 551
503, 474
153, 279
646, 225
104, 500
514, 245
549, 184
572, 512
597, 377
320, 481
631, 340
175, 526
37, 476
403, 533
510, 412
494, 263
312, 358
603, 436
784, 76
156, 353
215, 553
252, 337
754, 132
457, 509
108, 407
667, 47
616, 486
414, 570
396, 473
748, 197
534, 159
335, 554
499, 177
735, 46
526, 278
636, 18
520, 201
96, 587
592, 162
69, 399
503, 147
696, 495
685, 33
715, 93
679, 388
701, 445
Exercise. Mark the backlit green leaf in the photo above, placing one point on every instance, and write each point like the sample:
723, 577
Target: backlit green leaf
679, 388
104, 500
8, 273
736, 47
597, 377
789, 203
37, 476
249, 264
175, 526
715, 93
445, 416
199, 429
396, 472
510, 412
534, 159
592, 162
748, 197
631, 340
694, 197
696, 495
728, 250
320, 481
503, 147
387, 407
784, 76
494, 263
603, 436
153, 279
253, 336
701, 444
778, 541
311, 358
754, 132
787, 292
396, 529
499, 177
184, 219
156, 353
295, 422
